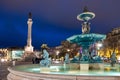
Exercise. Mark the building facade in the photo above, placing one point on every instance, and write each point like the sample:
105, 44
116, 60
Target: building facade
112, 41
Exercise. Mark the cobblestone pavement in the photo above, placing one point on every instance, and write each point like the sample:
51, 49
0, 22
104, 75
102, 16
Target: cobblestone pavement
3, 68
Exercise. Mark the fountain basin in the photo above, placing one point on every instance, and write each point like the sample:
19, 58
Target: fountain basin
32, 72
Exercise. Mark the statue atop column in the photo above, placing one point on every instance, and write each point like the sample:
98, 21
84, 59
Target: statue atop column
30, 15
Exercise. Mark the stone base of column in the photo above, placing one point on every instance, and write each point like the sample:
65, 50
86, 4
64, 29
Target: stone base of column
29, 48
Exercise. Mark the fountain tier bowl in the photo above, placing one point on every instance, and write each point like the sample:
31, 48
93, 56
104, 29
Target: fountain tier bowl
60, 72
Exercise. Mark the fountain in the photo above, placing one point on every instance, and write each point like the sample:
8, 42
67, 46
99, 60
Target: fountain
87, 41
89, 66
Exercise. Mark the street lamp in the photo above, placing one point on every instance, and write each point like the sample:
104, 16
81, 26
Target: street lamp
99, 45
68, 50
57, 54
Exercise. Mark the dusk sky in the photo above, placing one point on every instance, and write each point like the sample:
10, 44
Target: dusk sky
53, 20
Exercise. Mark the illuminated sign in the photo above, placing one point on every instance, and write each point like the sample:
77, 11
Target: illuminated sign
17, 54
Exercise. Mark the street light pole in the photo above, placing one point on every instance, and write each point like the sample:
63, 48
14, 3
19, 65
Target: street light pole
57, 54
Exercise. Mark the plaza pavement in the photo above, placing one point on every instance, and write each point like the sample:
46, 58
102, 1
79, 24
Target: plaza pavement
4, 65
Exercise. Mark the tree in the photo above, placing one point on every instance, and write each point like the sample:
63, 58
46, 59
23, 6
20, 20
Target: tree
70, 48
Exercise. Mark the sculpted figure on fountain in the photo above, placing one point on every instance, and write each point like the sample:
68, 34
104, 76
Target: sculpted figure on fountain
46, 62
67, 58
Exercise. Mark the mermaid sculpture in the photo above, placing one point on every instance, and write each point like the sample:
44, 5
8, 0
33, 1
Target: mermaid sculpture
113, 59
46, 62
67, 58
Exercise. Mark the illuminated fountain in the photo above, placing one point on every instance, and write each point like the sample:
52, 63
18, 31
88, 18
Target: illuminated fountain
76, 69
87, 41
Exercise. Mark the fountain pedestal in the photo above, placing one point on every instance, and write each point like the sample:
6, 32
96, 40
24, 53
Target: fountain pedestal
101, 66
84, 67
74, 66
96, 66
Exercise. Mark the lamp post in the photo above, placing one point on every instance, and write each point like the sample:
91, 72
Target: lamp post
98, 46
57, 54
68, 50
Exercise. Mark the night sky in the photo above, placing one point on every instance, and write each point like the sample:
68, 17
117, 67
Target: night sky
53, 20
